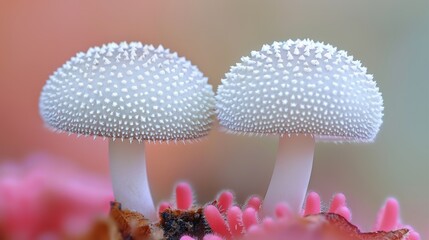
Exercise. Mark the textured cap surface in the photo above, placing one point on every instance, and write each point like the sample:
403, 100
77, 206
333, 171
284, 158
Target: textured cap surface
129, 91
297, 87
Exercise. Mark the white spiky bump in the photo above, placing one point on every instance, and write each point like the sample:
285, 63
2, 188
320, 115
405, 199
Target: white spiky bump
301, 87
129, 91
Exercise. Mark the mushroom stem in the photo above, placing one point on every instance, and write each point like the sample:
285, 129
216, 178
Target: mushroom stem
129, 177
291, 175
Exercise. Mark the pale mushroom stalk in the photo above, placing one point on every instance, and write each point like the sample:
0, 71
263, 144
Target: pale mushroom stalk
129, 177
291, 174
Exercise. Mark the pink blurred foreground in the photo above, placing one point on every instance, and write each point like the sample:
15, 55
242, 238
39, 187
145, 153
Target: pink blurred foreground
46, 198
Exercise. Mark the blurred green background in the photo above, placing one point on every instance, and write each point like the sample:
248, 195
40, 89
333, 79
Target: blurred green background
390, 38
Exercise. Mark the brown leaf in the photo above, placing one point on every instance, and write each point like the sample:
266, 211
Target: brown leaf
340, 225
131, 224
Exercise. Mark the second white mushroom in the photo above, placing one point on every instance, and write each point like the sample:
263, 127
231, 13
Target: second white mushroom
303, 91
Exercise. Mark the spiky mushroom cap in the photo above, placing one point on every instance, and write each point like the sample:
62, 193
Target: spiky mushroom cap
301, 87
129, 91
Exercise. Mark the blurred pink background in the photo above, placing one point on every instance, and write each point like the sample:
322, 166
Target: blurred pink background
389, 37
49, 198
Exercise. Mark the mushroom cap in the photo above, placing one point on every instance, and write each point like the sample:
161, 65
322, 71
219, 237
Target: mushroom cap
301, 87
129, 91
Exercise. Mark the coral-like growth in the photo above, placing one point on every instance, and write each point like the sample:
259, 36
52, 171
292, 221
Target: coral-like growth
322, 226
388, 219
183, 198
231, 222
222, 220
236, 222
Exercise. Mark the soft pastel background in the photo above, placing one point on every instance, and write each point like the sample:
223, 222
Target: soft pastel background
390, 37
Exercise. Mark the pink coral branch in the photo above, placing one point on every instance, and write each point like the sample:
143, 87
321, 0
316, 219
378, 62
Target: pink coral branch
283, 211
250, 218
216, 221
184, 196
388, 219
338, 201
238, 223
230, 222
254, 202
413, 235
183, 199
235, 216
344, 212
163, 206
312, 205
224, 201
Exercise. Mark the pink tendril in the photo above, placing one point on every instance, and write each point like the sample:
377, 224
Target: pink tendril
184, 196
224, 201
237, 223
312, 205
283, 211
163, 206
344, 212
388, 219
235, 217
250, 218
216, 221
254, 202
231, 222
338, 201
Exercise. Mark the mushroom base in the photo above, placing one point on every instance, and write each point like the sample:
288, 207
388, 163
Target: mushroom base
129, 177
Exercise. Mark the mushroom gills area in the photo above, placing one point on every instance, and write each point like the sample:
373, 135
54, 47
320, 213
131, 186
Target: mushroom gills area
291, 174
129, 177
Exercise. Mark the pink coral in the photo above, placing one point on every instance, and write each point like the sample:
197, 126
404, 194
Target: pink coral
44, 198
183, 198
231, 222
238, 222
388, 219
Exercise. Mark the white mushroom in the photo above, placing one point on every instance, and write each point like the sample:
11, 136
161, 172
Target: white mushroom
131, 93
304, 91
